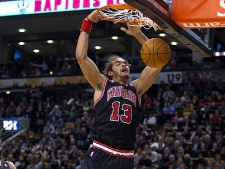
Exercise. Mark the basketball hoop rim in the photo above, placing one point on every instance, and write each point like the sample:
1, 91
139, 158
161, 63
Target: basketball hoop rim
117, 6
125, 13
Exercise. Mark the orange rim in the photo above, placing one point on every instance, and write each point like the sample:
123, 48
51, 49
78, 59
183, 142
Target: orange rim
120, 7
117, 6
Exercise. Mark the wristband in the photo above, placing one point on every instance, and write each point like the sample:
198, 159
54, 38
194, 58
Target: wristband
86, 25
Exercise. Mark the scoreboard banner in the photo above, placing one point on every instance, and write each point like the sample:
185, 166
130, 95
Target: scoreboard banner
198, 13
175, 77
21, 7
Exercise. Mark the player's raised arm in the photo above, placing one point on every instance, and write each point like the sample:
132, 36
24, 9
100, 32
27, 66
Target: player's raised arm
88, 67
136, 32
148, 75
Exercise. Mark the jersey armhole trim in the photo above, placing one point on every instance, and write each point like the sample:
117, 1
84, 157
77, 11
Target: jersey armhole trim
131, 84
96, 102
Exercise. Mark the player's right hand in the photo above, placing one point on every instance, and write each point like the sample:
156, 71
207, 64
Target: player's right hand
94, 16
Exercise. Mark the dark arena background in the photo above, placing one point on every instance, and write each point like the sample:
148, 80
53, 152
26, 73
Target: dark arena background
46, 105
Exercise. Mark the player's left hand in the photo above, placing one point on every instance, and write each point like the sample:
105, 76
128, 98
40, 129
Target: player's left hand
131, 30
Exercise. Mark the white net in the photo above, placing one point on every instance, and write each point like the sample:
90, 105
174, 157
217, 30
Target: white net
133, 17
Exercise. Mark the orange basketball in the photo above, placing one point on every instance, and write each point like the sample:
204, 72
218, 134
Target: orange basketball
155, 53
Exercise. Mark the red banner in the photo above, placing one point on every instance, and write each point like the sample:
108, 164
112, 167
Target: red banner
199, 13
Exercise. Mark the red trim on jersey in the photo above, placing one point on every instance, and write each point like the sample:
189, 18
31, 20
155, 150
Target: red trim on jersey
121, 153
114, 149
136, 92
106, 80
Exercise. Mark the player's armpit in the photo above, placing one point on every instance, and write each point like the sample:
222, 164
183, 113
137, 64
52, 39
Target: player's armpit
147, 78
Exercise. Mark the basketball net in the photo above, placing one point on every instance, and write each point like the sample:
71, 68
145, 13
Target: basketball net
124, 13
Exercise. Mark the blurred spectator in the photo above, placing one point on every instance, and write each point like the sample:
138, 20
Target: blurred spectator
36, 72
81, 165
222, 164
167, 93
66, 68
55, 112
202, 150
138, 154
159, 144
146, 99
6, 74
189, 150
188, 109
150, 120
152, 154
186, 124
59, 121
168, 111
11, 110
136, 164
55, 164
159, 162
201, 161
209, 86
176, 102
174, 148
2, 103
49, 128
145, 161
43, 66
210, 122
37, 94
7, 151
86, 106
194, 118
176, 124
172, 162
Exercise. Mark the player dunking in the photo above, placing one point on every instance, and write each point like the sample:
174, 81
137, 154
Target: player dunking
116, 101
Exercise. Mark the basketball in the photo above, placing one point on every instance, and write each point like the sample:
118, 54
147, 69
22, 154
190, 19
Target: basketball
155, 53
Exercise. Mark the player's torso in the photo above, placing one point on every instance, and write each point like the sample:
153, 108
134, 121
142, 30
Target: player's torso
117, 116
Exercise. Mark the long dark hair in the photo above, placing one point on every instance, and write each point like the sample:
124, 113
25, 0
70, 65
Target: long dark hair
108, 65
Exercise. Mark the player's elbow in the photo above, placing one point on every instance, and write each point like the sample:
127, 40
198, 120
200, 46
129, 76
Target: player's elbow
80, 55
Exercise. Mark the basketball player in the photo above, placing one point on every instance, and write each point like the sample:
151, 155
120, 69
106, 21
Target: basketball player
116, 101
6, 165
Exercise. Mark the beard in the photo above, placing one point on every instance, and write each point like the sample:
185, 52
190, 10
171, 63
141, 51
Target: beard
127, 76
122, 75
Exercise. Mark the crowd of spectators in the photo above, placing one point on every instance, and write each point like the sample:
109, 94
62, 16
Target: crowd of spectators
68, 66
181, 126
20, 68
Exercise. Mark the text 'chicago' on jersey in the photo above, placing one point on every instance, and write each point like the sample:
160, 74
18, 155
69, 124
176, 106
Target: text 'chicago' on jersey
120, 91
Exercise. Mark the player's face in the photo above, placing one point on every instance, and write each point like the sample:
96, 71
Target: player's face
120, 68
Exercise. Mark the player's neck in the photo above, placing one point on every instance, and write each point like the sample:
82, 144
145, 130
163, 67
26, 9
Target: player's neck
122, 81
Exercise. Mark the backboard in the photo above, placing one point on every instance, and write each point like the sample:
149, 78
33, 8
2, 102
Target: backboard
199, 41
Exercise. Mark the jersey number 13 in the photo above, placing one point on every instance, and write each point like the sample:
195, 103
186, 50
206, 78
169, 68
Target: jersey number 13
125, 117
